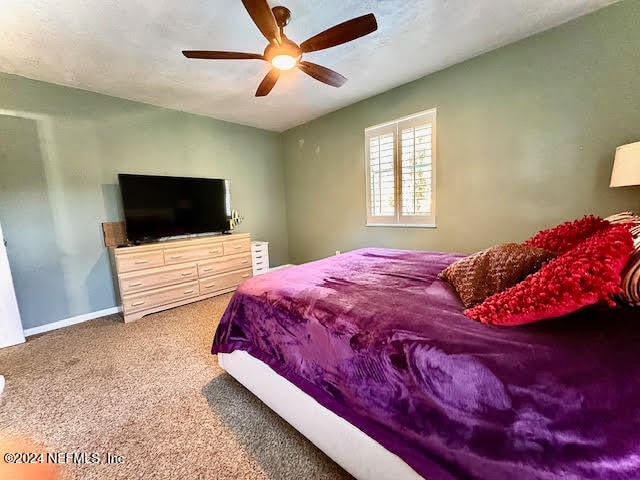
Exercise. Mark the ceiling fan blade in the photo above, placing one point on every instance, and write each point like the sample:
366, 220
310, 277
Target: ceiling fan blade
268, 82
341, 33
214, 55
262, 16
323, 74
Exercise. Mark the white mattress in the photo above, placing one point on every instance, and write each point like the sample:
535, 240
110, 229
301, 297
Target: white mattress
352, 449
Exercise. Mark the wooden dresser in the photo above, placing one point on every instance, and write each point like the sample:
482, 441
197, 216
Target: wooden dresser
164, 275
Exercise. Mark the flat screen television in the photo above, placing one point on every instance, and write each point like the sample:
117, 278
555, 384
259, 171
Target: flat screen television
158, 206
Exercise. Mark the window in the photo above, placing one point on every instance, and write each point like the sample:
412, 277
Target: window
400, 166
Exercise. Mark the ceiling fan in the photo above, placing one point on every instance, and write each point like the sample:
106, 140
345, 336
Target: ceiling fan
285, 54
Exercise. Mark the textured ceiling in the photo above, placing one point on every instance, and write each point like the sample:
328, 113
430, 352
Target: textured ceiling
131, 49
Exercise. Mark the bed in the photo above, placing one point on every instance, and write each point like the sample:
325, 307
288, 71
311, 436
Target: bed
370, 356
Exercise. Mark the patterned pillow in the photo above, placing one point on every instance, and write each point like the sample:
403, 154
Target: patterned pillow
493, 270
586, 275
562, 238
631, 274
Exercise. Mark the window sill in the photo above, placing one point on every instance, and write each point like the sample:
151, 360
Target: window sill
402, 225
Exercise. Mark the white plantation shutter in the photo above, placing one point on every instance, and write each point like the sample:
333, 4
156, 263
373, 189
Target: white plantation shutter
381, 147
400, 159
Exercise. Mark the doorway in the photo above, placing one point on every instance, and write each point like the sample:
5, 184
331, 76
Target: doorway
28, 223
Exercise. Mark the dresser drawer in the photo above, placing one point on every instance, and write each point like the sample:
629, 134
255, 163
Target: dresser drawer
260, 264
220, 282
237, 246
260, 271
224, 264
189, 254
259, 255
259, 249
157, 277
129, 262
161, 296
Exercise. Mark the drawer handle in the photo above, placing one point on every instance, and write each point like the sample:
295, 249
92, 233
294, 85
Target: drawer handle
186, 274
214, 251
244, 261
136, 304
207, 269
237, 246
175, 257
140, 262
258, 256
210, 285
188, 291
245, 275
131, 285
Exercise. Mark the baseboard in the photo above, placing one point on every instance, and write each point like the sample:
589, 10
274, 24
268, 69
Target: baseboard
71, 321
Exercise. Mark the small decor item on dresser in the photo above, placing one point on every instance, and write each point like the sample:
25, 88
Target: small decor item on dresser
260, 257
114, 234
493, 270
235, 220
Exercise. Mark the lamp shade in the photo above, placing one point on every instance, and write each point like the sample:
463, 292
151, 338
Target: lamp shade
626, 166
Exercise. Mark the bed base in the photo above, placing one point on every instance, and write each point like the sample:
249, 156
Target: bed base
348, 446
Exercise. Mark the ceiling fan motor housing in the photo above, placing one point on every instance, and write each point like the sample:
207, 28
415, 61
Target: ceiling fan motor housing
282, 15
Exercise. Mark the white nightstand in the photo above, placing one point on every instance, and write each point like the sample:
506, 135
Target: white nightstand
260, 257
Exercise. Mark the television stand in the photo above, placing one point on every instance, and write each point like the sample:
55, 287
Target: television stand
157, 276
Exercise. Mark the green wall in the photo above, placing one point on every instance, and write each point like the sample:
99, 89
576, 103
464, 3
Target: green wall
60, 152
526, 137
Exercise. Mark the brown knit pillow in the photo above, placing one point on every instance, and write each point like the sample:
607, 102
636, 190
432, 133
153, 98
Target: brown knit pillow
631, 273
493, 270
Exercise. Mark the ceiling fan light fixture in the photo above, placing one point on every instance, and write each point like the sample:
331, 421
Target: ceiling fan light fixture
284, 54
284, 62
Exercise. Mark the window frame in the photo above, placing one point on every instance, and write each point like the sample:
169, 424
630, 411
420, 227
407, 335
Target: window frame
395, 127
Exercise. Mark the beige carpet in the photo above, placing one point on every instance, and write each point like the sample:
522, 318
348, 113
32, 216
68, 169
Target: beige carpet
151, 392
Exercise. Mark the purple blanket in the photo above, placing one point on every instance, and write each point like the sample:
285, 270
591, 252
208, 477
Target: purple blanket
374, 336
